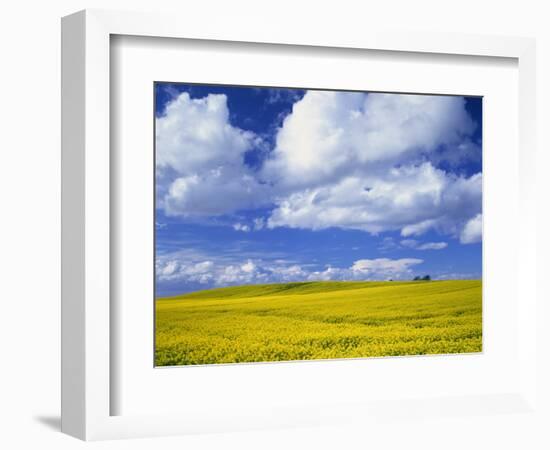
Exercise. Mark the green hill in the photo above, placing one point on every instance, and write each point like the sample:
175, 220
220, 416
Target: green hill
308, 287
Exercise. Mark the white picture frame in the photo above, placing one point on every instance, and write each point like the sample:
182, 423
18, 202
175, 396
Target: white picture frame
86, 220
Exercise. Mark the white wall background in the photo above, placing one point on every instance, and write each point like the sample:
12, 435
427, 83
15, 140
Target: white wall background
30, 188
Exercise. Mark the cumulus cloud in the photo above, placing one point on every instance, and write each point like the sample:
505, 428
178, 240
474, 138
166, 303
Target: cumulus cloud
472, 230
212, 273
241, 227
332, 134
362, 161
411, 199
200, 160
257, 224
358, 161
176, 270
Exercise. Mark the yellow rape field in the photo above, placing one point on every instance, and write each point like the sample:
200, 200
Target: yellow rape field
318, 320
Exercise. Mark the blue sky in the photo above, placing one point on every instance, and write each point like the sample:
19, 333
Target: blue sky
259, 185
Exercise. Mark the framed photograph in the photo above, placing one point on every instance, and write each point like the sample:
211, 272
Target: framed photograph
265, 229
301, 224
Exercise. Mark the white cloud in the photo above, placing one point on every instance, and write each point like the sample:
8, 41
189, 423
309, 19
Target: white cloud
176, 270
212, 273
417, 245
241, 227
416, 229
334, 134
248, 267
472, 230
259, 223
288, 273
413, 199
341, 159
358, 161
200, 160
432, 246
167, 270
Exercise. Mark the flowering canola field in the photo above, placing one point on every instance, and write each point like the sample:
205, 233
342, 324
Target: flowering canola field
318, 320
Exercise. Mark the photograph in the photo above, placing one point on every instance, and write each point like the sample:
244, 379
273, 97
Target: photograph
296, 224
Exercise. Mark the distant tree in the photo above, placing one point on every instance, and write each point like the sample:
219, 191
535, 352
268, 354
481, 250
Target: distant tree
424, 278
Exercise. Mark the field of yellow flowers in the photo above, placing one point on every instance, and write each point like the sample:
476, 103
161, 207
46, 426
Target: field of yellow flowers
318, 320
